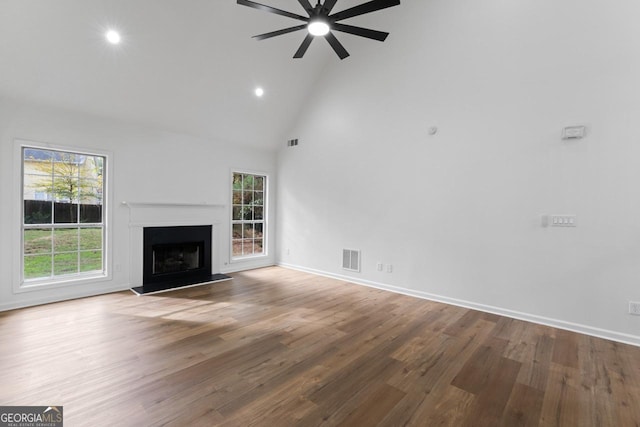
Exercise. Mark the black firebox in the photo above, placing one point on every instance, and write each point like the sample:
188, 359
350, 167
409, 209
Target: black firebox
175, 256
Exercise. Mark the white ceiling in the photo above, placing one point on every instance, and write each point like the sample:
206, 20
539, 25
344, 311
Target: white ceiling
187, 66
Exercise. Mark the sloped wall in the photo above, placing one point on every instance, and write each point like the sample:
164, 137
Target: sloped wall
458, 214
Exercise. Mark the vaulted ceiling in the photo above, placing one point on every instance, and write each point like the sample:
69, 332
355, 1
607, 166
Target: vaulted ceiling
185, 66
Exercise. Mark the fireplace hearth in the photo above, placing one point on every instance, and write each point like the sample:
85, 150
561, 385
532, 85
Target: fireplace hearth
176, 256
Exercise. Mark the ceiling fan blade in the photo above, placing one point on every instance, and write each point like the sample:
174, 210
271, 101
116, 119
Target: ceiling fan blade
280, 32
304, 46
328, 6
359, 31
371, 6
272, 10
336, 45
307, 6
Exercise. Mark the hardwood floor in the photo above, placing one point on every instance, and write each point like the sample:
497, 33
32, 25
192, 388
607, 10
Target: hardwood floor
276, 347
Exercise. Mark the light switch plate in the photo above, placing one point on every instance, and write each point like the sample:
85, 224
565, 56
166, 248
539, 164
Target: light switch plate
573, 132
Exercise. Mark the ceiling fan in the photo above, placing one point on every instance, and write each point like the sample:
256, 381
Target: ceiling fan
321, 23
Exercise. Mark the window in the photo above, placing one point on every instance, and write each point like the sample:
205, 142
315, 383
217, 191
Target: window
63, 228
248, 215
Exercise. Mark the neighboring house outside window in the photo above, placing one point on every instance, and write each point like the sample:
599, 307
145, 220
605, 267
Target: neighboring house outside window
42, 195
63, 224
248, 221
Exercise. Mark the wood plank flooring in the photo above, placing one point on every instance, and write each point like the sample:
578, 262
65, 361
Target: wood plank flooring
276, 347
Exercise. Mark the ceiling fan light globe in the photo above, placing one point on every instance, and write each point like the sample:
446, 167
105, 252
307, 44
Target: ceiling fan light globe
113, 37
318, 28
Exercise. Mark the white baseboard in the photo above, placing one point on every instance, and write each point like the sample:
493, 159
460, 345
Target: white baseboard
556, 323
30, 302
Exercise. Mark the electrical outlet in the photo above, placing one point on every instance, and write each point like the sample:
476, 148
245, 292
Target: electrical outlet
634, 308
563, 221
379, 266
389, 268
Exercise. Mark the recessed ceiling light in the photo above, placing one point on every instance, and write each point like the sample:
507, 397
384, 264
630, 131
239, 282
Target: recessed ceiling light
113, 37
318, 27
259, 92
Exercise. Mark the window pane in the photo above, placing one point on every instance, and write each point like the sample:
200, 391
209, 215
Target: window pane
258, 230
65, 240
237, 231
90, 238
95, 167
237, 213
247, 230
247, 182
90, 196
258, 198
258, 183
65, 263
37, 212
65, 188
247, 213
90, 214
89, 190
247, 197
67, 164
37, 266
237, 181
237, 197
37, 161
257, 246
35, 184
247, 247
65, 213
237, 247
90, 261
258, 213
37, 241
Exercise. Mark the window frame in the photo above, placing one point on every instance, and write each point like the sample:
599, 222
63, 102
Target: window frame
81, 278
265, 217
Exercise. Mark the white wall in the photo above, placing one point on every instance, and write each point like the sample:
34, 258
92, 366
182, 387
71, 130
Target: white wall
457, 214
148, 165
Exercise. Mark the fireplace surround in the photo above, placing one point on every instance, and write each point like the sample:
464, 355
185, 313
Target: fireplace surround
173, 221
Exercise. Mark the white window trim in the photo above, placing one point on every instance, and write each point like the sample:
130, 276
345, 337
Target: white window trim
267, 191
19, 285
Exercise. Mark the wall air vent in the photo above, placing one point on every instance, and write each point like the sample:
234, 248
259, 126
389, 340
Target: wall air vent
292, 142
351, 260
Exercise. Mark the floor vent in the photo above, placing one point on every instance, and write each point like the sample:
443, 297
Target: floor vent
292, 142
351, 260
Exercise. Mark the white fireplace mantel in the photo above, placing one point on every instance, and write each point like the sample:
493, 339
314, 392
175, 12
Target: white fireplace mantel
166, 214
171, 204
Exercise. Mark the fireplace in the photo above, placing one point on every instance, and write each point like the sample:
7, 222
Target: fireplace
175, 256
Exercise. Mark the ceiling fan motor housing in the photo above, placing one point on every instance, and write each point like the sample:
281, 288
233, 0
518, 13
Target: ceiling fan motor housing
320, 22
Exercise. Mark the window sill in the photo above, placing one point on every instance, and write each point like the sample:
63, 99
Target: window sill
248, 258
40, 285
